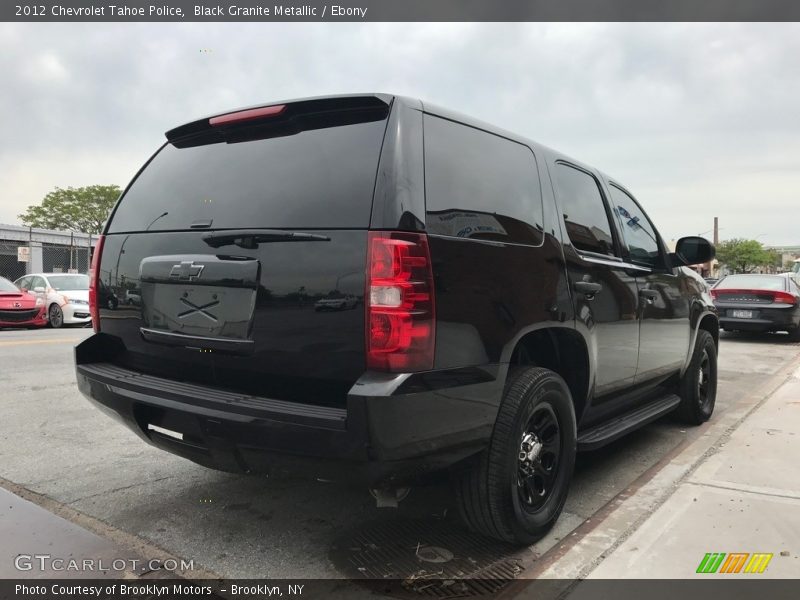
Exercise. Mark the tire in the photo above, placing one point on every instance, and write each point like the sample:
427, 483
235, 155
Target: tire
491, 494
56, 316
698, 386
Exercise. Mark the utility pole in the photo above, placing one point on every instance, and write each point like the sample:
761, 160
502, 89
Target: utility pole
710, 264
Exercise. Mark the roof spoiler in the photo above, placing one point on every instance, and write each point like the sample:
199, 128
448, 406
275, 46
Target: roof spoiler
280, 119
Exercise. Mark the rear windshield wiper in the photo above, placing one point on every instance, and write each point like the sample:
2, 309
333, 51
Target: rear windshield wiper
251, 238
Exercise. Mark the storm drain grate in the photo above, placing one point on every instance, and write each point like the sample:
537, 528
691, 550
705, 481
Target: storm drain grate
422, 557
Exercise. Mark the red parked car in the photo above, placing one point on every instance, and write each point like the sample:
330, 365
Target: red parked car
19, 308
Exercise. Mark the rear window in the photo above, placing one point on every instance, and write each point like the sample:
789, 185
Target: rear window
752, 282
585, 216
318, 178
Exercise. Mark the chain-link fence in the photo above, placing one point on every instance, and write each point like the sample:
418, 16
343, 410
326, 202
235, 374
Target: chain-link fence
65, 259
10, 267
18, 258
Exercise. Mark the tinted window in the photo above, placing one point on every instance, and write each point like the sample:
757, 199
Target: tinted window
7, 286
752, 282
69, 282
479, 185
640, 237
585, 215
317, 178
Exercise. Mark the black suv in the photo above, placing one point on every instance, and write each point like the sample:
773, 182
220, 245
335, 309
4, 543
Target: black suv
499, 306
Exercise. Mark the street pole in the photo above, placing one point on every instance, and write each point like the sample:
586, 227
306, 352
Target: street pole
710, 264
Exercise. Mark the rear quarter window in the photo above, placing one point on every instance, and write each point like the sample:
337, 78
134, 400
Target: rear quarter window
318, 178
479, 185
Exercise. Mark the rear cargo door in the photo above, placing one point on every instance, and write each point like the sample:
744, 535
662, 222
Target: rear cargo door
237, 255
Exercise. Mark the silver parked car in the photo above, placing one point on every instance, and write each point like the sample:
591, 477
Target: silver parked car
66, 296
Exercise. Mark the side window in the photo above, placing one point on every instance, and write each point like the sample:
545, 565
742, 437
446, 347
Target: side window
38, 282
24, 283
585, 214
640, 237
480, 186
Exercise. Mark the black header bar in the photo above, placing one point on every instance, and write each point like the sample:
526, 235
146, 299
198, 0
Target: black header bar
738, 587
398, 10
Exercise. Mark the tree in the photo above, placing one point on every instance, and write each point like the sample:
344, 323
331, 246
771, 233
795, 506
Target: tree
773, 258
742, 256
73, 209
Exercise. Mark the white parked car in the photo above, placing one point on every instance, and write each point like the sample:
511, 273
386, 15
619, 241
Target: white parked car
66, 296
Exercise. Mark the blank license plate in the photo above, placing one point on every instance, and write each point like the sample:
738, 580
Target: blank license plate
742, 314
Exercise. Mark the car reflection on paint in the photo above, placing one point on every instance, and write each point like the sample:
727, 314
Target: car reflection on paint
340, 303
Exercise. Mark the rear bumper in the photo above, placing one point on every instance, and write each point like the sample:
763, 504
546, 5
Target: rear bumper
394, 429
764, 318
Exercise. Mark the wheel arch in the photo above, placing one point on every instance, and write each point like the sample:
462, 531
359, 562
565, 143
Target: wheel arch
562, 350
710, 323
706, 321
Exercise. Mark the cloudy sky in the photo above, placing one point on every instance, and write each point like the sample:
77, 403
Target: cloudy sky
698, 120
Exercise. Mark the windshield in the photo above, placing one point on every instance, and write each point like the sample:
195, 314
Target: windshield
7, 286
753, 282
69, 282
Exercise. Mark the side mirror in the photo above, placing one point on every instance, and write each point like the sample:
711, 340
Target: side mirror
39, 290
693, 250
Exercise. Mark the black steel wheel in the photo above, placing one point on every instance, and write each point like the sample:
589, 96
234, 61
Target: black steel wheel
698, 386
539, 453
515, 489
56, 316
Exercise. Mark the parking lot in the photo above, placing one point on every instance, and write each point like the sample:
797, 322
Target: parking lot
55, 444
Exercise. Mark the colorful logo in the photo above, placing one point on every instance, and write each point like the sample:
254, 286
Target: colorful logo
735, 562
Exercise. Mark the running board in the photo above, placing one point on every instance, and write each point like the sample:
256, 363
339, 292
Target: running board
607, 432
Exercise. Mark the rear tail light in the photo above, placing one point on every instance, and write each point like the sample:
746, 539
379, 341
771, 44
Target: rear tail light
784, 298
94, 284
400, 313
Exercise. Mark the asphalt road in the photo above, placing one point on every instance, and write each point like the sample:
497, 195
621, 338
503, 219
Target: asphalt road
54, 443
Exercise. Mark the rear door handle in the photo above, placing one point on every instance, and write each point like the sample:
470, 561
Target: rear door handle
587, 288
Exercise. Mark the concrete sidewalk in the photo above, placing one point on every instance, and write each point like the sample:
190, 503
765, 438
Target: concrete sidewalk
37, 543
31, 538
744, 497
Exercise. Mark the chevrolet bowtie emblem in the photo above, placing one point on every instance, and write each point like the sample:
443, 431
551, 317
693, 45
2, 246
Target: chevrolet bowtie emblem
186, 271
